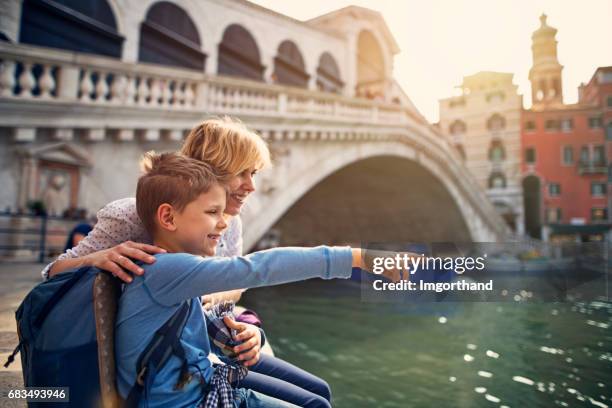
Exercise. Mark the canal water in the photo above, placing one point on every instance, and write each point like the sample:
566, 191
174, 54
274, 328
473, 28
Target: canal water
513, 354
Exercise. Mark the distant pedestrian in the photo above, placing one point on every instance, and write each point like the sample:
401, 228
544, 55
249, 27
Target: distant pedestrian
77, 234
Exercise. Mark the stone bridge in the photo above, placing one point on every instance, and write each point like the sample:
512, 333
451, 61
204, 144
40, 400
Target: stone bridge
346, 169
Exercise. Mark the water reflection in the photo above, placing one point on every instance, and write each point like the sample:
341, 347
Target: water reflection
449, 355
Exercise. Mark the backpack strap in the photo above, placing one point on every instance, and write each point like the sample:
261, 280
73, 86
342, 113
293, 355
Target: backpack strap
165, 343
58, 295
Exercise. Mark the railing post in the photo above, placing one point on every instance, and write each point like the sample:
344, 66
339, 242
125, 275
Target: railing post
375, 114
43, 238
7, 78
282, 102
68, 82
201, 101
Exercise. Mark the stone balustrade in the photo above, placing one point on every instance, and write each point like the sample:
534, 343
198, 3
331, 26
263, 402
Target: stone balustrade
41, 74
74, 93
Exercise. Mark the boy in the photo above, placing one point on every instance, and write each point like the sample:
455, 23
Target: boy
181, 203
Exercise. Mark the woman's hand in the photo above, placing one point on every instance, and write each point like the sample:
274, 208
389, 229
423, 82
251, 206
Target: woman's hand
249, 351
118, 259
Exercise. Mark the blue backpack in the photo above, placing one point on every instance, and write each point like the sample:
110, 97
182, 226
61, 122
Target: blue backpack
56, 325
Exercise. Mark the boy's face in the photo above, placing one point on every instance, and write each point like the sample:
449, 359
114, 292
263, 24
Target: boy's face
199, 226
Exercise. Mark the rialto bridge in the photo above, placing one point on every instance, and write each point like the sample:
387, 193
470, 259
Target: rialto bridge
353, 158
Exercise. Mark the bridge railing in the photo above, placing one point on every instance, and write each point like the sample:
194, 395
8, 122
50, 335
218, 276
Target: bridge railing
48, 88
42, 74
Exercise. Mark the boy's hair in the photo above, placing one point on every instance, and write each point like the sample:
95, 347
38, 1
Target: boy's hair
173, 179
227, 145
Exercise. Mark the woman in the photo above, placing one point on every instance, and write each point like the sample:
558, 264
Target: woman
119, 237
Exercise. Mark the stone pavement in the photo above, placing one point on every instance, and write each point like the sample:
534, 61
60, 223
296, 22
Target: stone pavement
16, 279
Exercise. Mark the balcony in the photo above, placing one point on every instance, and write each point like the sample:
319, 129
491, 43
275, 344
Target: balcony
592, 167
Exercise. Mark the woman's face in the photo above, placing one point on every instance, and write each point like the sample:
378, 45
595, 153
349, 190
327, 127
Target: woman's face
240, 187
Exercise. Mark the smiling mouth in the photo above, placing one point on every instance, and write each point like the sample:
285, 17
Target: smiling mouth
239, 197
214, 237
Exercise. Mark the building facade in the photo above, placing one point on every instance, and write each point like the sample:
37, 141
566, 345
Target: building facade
483, 123
565, 152
162, 55
87, 87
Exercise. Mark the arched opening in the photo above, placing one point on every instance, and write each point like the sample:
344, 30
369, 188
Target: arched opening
239, 55
496, 122
458, 127
371, 78
289, 67
87, 26
542, 91
168, 36
497, 180
328, 74
532, 203
367, 201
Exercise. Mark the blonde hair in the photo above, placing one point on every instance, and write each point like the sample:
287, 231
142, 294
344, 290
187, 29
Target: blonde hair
173, 179
227, 145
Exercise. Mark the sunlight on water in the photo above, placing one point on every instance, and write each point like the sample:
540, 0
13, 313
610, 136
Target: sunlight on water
519, 354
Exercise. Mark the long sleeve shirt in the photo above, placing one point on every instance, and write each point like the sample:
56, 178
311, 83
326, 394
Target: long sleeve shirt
150, 300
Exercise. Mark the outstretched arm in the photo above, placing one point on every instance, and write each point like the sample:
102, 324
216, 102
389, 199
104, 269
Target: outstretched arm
178, 277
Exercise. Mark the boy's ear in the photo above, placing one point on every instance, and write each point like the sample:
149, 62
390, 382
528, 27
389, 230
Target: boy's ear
165, 217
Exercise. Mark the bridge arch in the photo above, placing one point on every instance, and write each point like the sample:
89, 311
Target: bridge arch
303, 176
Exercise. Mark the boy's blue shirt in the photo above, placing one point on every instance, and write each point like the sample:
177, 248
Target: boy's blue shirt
149, 301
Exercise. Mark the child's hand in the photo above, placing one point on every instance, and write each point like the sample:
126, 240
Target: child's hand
249, 351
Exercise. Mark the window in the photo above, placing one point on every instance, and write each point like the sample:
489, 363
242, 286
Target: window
554, 189
599, 155
496, 122
598, 188
530, 126
609, 101
568, 155
553, 215
567, 125
458, 127
609, 131
595, 122
551, 125
497, 180
530, 155
599, 214
497, 152
585, 157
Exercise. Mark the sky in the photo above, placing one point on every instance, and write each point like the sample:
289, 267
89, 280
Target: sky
441, 41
